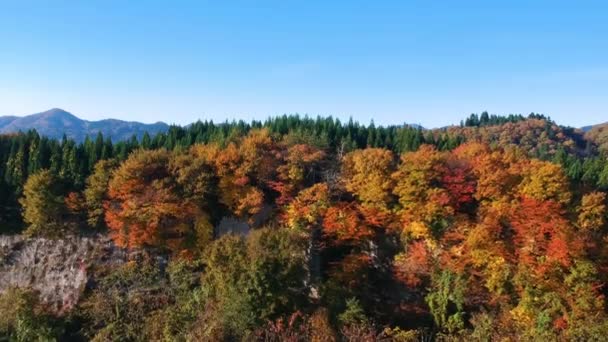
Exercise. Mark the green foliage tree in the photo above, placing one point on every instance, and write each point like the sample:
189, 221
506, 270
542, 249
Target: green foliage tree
118, 306
353, 313
276, 269
25, 319
446, 301
96, 191
253, 280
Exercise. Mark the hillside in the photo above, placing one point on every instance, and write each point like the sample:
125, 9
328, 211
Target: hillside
538, 137
599, 135
299, 229
54, 123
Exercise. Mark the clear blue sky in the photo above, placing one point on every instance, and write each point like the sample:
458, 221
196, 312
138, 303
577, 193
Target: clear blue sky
427, 62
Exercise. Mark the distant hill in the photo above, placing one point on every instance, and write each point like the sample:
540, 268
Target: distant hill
56, 122
596, 126
417, 126
537, 136
598, 134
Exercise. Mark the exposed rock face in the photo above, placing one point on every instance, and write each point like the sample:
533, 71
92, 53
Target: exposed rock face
230, 225
233, 225
61, 269
57, 269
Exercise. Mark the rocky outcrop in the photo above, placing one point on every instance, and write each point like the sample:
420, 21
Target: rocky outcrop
57, 269
233, 225
60, 269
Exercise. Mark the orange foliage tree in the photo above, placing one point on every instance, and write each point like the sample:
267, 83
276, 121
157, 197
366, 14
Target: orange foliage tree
299, 163
344, 222
244, 168
153, 200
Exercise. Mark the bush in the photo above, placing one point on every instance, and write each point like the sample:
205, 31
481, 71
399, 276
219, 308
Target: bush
24, 318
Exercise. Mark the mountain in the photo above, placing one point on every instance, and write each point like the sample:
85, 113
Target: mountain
417, 126
56, 122
596, 126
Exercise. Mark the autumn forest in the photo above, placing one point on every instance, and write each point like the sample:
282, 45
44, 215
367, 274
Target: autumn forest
493, 229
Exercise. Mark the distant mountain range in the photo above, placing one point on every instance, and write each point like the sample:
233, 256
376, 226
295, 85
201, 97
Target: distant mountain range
56, 122
588, 128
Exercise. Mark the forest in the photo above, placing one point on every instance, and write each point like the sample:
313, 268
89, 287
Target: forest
494, 229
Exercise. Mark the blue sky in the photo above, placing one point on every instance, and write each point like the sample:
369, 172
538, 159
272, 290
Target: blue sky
427, 62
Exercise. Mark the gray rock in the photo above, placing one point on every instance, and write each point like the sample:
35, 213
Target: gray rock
57, 269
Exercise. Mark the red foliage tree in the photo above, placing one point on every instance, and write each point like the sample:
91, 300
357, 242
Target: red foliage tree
542, 235
343, 222
414, 265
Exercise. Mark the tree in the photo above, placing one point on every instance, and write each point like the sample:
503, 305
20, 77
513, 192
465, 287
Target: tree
244, 170
545, 181
353, 314
586, 319
197, 185
424, 204
123, 299
413, 266
16, 166
416, 174
144, 205
277, 278
96, 191
24, 317
543, 237
343, 222
253, 280
460, 183
38, 154
446, 301
497, 174
43, 205
602, 181
307, 209
592, 211
367, 174
70, 168
299, 168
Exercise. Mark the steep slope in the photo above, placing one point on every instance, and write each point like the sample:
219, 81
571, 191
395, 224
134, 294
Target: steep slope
57, 269
56, 122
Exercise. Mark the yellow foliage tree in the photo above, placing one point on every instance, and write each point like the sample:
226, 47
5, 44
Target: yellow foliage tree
367, 174
545, 181
43, 205
592, 211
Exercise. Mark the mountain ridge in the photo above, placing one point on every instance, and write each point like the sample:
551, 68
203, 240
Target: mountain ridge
56, 122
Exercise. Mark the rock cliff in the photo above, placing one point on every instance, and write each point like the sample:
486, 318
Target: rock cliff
57, 269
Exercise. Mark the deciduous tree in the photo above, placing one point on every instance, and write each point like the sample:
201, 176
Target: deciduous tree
144, 205
96, 191
367, 174
43, 205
